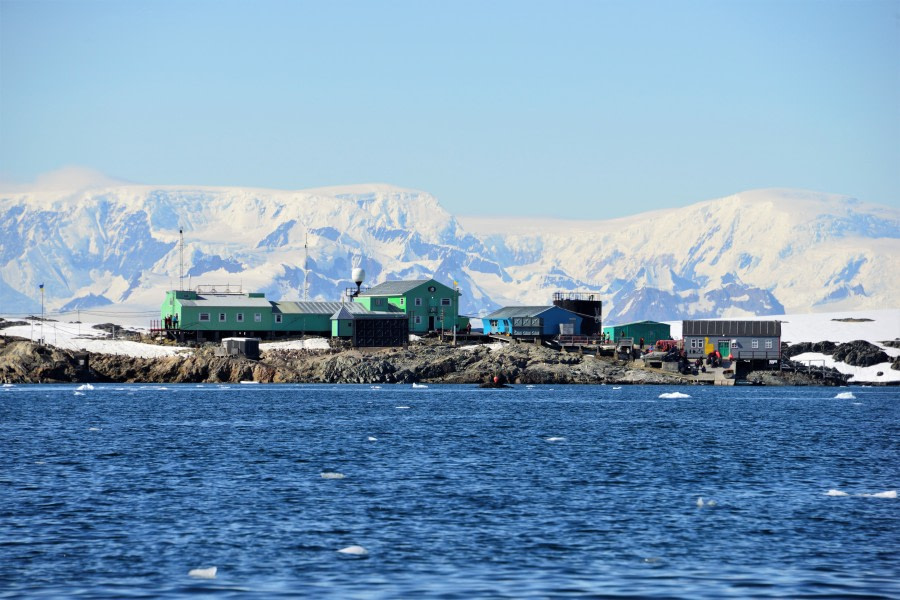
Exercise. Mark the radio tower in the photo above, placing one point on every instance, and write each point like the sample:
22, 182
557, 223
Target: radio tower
181, 260
306, 268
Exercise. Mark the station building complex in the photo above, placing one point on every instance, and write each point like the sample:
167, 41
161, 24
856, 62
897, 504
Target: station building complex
383, 315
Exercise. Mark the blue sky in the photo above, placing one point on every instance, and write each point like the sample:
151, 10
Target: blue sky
572, 109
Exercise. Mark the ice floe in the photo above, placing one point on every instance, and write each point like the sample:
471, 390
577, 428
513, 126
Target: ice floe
85, 386
207, 573
354, 551
845, 396
885, 494
555, 439
332, 475
674, 395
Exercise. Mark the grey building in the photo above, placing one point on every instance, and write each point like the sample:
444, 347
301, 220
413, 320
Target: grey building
742, 340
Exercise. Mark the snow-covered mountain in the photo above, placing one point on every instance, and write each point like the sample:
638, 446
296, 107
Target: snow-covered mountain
761, 252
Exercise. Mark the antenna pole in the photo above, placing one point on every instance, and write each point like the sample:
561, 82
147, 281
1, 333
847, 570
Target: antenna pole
306, 268
181, 265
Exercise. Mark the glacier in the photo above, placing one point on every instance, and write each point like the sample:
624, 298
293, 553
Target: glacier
761, 252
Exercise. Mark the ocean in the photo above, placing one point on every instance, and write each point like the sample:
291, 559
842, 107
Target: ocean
342, 491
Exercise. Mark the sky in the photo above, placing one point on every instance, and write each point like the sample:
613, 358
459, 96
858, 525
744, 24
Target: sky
573, 109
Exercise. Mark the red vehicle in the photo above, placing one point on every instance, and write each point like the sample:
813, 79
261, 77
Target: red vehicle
666, 345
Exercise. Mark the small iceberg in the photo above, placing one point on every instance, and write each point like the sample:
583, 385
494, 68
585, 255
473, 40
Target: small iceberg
887, 494
836, 493
354, 551
401, 407
674, 395
248, 382
208, 573
617, 387
845, 396
420, 386
372, 438
555, 439
332, 475
84, 386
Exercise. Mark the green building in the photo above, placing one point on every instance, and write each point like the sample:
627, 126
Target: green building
215, 315
429, 304
651, 331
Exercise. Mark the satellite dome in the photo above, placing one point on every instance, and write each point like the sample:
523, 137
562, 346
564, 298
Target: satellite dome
359, 275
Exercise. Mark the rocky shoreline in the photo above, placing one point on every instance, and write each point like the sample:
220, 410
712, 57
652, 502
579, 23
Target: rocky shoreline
22, 361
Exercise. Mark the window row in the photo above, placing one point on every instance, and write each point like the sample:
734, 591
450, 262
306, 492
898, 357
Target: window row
238, 317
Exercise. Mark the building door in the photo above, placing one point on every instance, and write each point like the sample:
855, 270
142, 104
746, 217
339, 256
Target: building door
430, 323
724, 348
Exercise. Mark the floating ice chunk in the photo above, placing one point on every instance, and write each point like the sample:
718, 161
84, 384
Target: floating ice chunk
617, 387
354, 551
887, 494
79, 394
836, 493
420, 386
374, 387
372, 438
8, 385
845, 396
332, 475
85, 386
555, 439
700, 501
401, 407
208, 573
674, 395
93, 429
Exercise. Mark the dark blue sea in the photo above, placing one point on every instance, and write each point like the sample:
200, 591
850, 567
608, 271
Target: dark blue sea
452, 492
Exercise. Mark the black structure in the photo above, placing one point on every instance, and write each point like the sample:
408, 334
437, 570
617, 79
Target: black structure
379, 332
586, 305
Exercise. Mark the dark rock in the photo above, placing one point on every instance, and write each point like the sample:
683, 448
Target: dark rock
820, 347
860, 353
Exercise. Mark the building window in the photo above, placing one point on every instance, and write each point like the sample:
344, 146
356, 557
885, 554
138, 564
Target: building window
378, 301
239, 317
278, 318
257, 317
402, 301
734, 344
754, 344
222, 317
417, 320
768, 344
418, 302
445, 301
204, 317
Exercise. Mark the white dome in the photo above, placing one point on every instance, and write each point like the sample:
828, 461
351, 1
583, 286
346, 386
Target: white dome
359, 275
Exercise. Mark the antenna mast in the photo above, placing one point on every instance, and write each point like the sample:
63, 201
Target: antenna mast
181, 261
306, 267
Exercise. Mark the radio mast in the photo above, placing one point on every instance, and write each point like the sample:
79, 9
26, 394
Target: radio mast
306, 267
181, 260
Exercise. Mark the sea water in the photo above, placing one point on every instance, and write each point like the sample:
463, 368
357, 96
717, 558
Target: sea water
448, 491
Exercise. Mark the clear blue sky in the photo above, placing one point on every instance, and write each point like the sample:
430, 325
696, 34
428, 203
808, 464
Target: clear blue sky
572, 108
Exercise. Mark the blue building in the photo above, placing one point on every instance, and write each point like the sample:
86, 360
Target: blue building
531, 321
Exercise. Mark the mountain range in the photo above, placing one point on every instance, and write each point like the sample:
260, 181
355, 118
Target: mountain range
762, 252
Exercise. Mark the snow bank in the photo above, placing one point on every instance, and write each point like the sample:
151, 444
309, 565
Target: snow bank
83, 337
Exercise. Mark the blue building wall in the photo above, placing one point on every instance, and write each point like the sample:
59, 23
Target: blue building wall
518, 321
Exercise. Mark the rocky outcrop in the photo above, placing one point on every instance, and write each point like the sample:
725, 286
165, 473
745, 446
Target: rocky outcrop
22, 361
860, 353
795, 349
